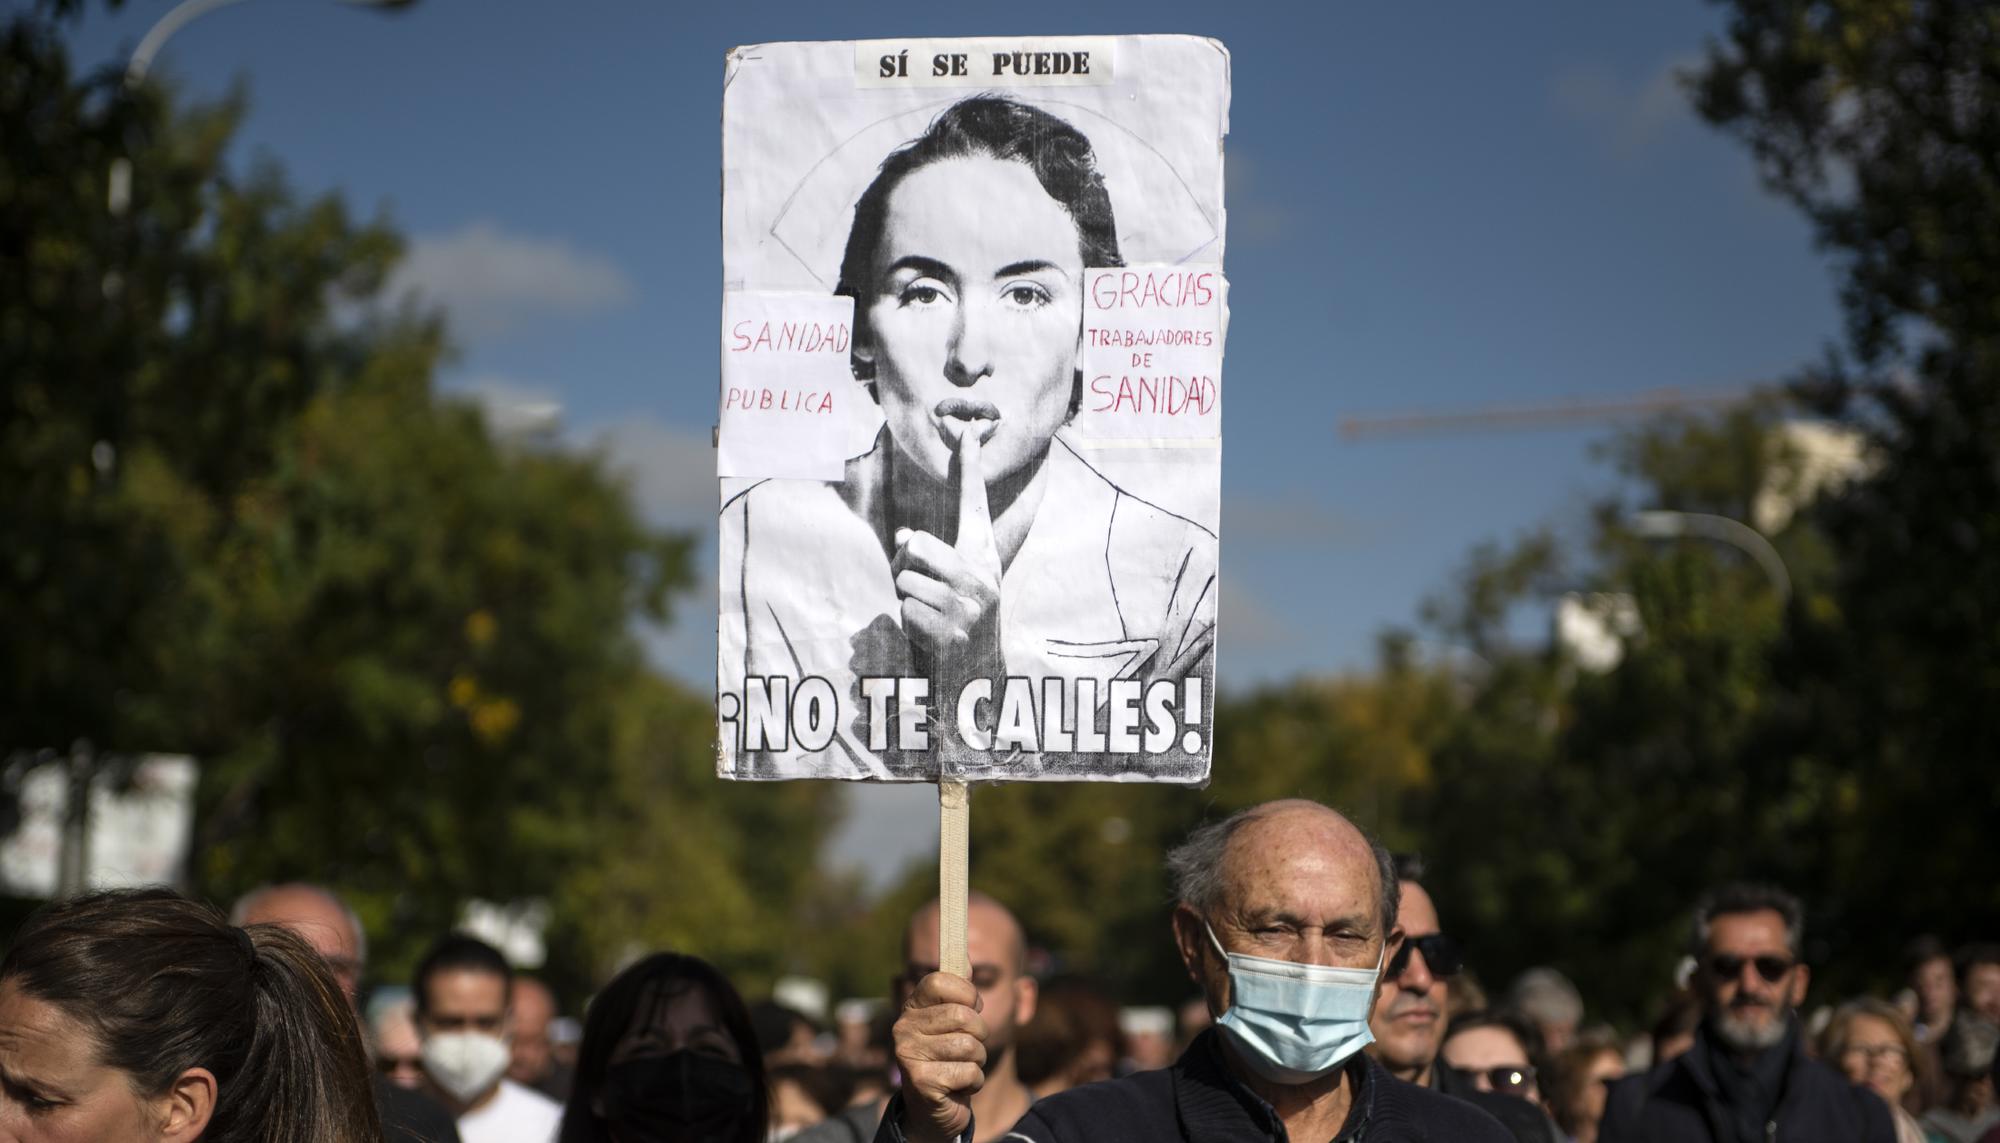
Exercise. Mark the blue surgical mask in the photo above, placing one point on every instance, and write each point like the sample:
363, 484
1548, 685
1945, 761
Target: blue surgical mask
1293, 1023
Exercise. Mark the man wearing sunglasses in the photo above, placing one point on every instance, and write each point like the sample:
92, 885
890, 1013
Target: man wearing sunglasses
1286, 915
1413, 1005
1747, 1078
1410, 1011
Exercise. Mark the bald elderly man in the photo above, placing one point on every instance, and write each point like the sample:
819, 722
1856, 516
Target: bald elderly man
998, 950
533, 1062
325, 922
1286, 914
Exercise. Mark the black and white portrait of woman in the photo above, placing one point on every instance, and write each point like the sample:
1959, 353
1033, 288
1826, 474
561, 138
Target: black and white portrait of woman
973, 538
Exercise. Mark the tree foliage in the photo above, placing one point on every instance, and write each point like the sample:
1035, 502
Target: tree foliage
680, 860
238, 522
1881, 121
1842, 745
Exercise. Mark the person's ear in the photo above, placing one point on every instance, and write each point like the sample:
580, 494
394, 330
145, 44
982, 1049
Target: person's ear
184, 1111
861, 359
1391, 945
1026, 995
1189, 938
1799, 985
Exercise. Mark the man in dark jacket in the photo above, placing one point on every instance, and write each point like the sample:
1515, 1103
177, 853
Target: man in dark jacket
1409, 1017
1747, 1079
1287, 913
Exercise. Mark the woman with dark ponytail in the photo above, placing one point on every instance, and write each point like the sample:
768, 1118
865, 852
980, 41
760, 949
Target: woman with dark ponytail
141, 1015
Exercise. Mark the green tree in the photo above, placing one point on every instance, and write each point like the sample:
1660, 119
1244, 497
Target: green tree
1574, 816
239, 523
1842, 745
680, 860
1881, 121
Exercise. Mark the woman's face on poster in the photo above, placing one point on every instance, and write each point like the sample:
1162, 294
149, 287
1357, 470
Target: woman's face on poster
976, 314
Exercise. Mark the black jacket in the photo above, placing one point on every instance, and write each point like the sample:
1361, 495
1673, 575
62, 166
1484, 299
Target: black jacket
1681, 1102
1198, 1101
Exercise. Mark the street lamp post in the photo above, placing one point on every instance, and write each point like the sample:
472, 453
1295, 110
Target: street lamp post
73, 866
1659, 524
119, 197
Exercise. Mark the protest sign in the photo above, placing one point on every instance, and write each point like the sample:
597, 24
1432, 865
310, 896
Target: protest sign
970, 433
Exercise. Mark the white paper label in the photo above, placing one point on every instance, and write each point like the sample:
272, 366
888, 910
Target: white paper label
1039, 61
1152, 352
786, 385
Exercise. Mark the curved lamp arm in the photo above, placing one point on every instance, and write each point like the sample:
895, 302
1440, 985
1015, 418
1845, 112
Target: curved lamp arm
1660, 524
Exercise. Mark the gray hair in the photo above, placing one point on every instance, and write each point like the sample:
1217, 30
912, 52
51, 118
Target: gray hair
1546, 996
1968, 1047
1748, 897
246, 905
1196, 864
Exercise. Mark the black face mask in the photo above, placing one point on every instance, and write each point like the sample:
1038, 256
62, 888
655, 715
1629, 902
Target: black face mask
681, 1097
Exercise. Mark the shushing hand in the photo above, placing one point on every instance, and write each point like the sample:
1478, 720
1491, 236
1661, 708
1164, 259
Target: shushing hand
951, 592
941, 1048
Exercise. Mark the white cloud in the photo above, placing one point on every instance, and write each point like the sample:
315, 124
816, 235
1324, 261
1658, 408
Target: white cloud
888, 826
1261, 520
1627, 117
513, 407
1253, 219
671, 469
489, 280
1244, 623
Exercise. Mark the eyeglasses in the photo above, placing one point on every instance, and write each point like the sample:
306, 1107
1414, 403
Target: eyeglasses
1873, 1052
1510, 1081
985, 977
1771, 968
1440, 954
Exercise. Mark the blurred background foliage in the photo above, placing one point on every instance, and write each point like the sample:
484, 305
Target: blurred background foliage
238, 521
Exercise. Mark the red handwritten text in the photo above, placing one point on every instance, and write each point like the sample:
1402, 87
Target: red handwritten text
1153, 289
778, 400
1174, 396
788, 337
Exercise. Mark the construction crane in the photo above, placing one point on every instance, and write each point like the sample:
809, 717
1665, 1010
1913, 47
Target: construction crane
1553, 414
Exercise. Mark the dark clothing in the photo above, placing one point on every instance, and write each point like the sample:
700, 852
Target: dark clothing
1198, 1101
1523, 1120
850, 1125
1749, 1090
557, 1083
1688, 1099
411, 1116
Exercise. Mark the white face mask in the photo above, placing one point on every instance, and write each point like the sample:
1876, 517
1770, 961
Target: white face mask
1292, 1023
465, 1064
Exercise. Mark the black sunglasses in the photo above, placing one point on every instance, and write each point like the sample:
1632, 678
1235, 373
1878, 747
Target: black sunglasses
1440, 953
985, 977
1510, 1081
1771, 968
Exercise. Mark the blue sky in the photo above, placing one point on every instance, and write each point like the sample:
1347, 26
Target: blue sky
1432, 207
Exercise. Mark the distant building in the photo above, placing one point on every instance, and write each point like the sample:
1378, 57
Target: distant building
1821, 456
1592, 627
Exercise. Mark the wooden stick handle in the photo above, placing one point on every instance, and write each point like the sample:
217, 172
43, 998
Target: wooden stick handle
954, 875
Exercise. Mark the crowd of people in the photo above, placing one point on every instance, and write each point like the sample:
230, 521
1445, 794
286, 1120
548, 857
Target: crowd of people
1332, 1004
